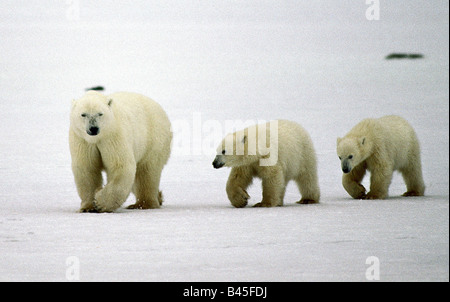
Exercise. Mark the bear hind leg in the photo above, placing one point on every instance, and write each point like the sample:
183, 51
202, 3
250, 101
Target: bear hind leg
414, 182
309, 189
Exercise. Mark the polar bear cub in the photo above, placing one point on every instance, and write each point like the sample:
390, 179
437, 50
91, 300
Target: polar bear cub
380, 146
276, 152
125, 134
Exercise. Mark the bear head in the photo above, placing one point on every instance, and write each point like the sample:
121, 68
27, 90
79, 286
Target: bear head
91, 116
352, 151
248, 146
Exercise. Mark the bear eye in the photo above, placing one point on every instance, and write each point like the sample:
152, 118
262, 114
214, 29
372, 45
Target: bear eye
340, 157
350, 156
83, 115
100, 114
223, 152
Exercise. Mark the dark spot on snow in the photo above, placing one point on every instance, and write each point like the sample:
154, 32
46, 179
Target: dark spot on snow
97, 88
404, 56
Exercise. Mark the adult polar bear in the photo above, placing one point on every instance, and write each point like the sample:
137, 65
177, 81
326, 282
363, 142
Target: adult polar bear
381, 146
126, 134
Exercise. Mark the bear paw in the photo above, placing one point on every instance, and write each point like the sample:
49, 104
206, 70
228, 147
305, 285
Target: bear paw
371, 196
239, 198
102, 204
263, 205
412, 193
144, 205
307, 201
358, 193
88, 210
104, 208
87, 207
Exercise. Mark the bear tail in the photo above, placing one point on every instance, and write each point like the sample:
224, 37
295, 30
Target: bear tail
160, 198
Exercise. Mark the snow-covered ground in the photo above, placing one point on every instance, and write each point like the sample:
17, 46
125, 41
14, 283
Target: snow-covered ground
210, 64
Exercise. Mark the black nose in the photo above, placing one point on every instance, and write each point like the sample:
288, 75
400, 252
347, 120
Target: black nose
93, 131
345, 170
217, 164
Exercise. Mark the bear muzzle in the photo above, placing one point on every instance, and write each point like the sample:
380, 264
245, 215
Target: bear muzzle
92, 131
346, 168
218, 163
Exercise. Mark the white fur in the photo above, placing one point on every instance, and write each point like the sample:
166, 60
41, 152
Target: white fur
276, 152
132, 146
380, 146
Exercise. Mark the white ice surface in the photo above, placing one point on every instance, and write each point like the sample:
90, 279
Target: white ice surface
320, 63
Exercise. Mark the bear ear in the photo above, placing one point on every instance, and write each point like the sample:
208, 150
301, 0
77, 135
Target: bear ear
109, 102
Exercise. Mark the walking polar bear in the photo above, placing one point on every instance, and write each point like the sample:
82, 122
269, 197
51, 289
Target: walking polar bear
380, 146
125, 134
291, 156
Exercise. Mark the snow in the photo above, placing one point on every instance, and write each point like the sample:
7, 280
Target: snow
212, 64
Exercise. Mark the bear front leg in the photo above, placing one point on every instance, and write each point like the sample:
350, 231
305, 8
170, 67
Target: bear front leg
88, 182
352, 182
86, 168
146, 186
117, 189
274, 187
380, 181
238, 181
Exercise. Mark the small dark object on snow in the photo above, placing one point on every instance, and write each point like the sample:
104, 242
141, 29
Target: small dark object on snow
404, 56
415, 56
97, 88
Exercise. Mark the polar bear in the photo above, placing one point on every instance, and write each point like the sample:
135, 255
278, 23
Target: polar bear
125, 134
380, 146
290, 156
